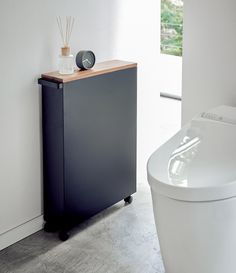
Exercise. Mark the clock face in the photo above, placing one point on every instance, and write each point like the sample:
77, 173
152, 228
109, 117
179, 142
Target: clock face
85, 59
88, 59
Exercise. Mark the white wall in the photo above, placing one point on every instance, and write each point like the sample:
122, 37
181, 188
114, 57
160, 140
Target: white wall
30, 45
209, 60
171, 68
138, 39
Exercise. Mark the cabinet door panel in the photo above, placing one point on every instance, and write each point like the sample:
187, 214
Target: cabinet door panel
99, 141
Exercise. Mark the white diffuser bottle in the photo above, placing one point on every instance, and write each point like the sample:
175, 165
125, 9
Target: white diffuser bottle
66, 61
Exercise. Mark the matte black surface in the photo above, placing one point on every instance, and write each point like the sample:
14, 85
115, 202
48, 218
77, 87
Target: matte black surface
51, 84
100, 141
89, 139
53, 155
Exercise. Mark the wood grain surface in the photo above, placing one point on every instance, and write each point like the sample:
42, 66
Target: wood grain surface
98, 69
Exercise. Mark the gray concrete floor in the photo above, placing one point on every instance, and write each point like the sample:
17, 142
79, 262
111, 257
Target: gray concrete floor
122, 239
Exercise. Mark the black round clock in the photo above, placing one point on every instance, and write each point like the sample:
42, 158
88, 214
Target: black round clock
85, 59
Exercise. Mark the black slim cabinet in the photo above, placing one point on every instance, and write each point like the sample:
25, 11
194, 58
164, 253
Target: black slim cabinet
89, 142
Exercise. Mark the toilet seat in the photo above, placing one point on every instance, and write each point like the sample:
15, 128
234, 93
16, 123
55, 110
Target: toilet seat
199, 163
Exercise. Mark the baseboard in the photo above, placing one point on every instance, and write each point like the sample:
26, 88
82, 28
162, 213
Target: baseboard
18, 233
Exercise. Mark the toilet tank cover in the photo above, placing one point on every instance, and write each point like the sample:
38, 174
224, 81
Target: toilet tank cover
199, 162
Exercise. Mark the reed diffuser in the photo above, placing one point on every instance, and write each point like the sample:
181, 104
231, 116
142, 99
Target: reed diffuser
66, 59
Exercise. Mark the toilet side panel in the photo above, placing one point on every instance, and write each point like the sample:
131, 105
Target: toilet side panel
196, 236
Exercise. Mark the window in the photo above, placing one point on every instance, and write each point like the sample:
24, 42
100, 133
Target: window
171, 27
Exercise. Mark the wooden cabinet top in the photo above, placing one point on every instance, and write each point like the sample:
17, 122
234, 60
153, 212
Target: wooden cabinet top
98, 69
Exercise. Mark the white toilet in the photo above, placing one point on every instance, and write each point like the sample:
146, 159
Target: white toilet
193, 184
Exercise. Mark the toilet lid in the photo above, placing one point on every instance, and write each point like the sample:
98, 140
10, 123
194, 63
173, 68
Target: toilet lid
199, 162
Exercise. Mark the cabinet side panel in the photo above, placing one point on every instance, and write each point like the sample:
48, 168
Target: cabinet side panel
100, 141
52, 115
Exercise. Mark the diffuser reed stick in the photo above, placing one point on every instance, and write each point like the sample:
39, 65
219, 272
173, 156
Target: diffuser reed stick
65, 32
66, 59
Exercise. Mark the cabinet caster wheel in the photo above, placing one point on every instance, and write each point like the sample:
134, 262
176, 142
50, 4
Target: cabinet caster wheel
128, 199
49, 227
63, 235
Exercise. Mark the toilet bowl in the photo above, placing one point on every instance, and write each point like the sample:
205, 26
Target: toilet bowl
193, 185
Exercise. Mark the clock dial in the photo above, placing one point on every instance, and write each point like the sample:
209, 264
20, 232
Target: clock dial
85, 59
